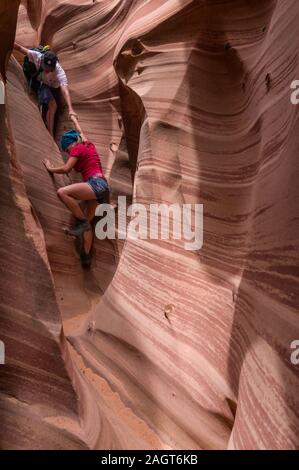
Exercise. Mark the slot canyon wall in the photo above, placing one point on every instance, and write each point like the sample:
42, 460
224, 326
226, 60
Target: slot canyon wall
155, 347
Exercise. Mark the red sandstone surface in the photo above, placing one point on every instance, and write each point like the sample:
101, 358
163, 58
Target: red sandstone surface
179, 87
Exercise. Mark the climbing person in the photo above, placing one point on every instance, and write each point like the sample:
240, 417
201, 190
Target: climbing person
51, 78
94, 189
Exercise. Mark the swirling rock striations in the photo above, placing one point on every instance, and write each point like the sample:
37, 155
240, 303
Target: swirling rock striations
157, 347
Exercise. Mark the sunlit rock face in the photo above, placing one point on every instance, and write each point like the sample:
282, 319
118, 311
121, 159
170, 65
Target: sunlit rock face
156, 346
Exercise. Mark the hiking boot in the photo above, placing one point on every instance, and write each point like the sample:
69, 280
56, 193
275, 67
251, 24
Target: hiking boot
81, 226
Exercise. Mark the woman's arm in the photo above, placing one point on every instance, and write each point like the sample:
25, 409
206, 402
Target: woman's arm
78, 127
64, 169
67, 97
20, 48
72, 114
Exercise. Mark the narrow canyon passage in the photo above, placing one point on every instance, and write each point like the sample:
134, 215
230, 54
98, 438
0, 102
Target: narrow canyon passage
154, 347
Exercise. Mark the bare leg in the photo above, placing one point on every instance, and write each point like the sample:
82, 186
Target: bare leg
72, 194
88, 236
52, 108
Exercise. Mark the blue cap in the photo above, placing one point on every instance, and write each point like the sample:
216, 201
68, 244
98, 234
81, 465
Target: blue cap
69, 138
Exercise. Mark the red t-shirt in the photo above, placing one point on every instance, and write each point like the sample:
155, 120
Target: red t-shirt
89, 163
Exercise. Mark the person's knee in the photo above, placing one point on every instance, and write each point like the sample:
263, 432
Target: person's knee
61, 193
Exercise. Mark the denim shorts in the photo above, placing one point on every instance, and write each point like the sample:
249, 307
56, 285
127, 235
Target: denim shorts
100, 188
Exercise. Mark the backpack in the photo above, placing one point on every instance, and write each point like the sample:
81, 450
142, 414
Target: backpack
30, 71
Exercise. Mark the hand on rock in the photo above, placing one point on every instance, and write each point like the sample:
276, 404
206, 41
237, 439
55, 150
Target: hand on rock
47, 164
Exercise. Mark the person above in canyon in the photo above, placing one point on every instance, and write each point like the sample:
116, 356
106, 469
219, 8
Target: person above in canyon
94, 189
51, 78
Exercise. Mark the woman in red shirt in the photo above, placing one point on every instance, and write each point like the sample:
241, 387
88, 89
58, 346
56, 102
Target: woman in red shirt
84, 158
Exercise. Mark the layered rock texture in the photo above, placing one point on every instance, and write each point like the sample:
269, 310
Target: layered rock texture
155, 347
